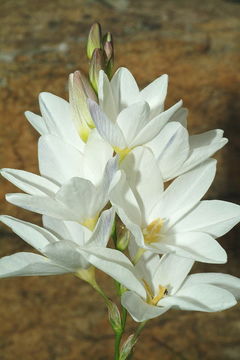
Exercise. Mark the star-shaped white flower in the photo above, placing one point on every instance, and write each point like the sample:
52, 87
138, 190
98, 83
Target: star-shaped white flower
74, 184
172, 220
122, 91
168, 285
67, 247
126, 117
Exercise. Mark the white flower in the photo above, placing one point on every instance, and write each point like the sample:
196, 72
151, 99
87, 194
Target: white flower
168, 286
67, 247
174, 220
127, 118
122, 91
78, 199
176, 152
58, 242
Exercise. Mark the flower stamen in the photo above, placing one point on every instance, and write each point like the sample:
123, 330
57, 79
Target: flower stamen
151, 299
152, 231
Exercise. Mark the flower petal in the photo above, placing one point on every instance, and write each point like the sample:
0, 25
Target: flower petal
58, 160
66, 254
152, 129
80, 196
37, 122
141, 169
28, 264
115, 264
189, 188
42, 205
172, 271
202, 147
29, 182
34, 235
139, 309
173, 149
68, 230
132, 120
122, 197
195, 245
155, 94
106, 98
57, 115
103, 229
180, 116
214, 217
109, 130
97, 153
201, 297
225, 281
125, 89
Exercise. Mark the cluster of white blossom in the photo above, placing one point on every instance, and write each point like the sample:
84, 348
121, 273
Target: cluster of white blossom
120, 155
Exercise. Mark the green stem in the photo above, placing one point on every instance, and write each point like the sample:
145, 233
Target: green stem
118, 337
124, 317
139, 329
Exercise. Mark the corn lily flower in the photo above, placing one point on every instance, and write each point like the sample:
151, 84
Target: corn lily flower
133, 126
122, 91
78, 199
168, 285
174, 220
51, 241
176, 152
67, 247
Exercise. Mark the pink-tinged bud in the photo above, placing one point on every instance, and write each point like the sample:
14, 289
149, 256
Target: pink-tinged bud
109, 53
108, 49
82, 82
79, 91
94, 39
97, 63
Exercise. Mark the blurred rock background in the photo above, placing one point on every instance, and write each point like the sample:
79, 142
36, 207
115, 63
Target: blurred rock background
41, 42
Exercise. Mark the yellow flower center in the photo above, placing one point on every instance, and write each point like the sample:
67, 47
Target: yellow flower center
152, 231
121, 152
90, 223
151, 299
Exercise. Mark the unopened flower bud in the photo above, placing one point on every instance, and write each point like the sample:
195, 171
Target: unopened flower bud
109, 52
123, 237
79, 91
108, 45
114, 317
94, 39
97, 63
127, 347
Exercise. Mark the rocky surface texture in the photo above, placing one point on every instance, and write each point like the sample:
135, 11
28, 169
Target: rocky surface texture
197, 44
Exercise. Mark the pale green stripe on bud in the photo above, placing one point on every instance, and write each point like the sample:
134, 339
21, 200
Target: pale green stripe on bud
79, 91
94, 39
114, 317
